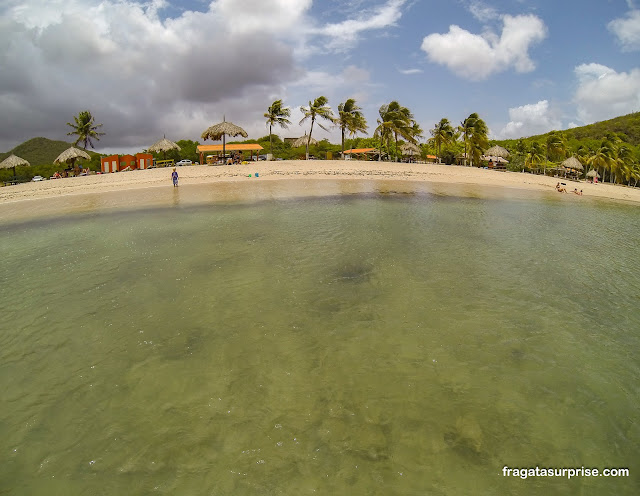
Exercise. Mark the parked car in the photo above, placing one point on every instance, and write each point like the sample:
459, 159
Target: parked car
37, 178
185, 162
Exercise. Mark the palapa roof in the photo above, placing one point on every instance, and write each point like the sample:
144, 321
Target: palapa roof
593, 173
228, 147
409, 149
12, 161
216, 131
302, 141
497, 151
71, 154
164, 145
572, 163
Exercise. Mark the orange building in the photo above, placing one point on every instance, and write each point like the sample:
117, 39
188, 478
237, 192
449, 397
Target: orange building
116, 163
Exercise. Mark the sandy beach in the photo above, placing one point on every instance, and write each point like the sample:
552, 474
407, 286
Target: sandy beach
281, 179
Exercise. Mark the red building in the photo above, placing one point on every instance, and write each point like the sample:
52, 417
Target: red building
116, 163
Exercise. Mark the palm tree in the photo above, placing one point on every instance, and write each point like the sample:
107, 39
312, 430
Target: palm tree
277, 114
465, 129
603, 157
86, 129
351, 119
535, 155
442, 134
478, 139
623, 161
556, 147
317, 108
396, 120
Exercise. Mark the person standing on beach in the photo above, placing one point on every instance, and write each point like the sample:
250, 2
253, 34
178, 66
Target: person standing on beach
174, 177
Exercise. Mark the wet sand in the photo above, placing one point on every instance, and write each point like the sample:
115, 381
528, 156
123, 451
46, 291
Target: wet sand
282, 179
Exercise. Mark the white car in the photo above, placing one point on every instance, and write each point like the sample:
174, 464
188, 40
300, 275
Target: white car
37, 178
185, 162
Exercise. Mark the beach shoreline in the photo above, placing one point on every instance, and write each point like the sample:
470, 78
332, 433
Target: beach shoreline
280, 179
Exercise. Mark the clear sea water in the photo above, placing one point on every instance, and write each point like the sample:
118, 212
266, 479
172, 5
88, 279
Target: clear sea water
377, 344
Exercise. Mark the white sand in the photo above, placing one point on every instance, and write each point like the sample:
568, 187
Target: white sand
149, 187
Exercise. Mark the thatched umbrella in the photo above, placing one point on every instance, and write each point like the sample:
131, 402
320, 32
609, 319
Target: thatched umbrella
409, 149
11, 162
593, 173
497, 151
302, 141
572, 163
164, 145
221, 130
70, 155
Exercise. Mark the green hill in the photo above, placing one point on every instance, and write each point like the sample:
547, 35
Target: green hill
40, 151
627, 127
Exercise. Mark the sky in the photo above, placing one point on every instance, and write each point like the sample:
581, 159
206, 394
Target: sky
148, 69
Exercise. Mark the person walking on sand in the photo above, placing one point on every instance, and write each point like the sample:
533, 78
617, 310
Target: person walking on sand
174, 177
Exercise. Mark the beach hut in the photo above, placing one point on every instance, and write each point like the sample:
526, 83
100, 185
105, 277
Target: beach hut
593, 175
224, 128
409, 150
11, 162
497, 151
70, 155
572, 163
367, 153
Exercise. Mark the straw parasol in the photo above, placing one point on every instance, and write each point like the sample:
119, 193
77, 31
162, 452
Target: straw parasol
164, 145
11, 162
497, 151
70, 155
593, 173
221, 130
572, 163
302, 141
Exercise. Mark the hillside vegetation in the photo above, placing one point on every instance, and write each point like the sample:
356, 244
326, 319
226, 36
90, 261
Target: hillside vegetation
626, 127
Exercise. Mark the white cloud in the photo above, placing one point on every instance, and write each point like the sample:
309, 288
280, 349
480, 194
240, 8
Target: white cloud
344, 34
139, 75
627, 30
529, 120
143, 74
604, 93
476, 57
482, 11
411, 71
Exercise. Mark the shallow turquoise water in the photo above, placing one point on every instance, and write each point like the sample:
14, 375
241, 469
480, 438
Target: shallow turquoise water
343, 345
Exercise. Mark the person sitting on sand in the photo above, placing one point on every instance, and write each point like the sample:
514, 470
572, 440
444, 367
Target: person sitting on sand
579, 193
560, 189
56, 175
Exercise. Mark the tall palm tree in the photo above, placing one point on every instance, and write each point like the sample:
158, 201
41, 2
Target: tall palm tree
85, 128
277, 114
465, 129
350, 119
478, 139
442, 134
556, 147
535, 155
395, 120
623, 161
317, 108
603, 157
